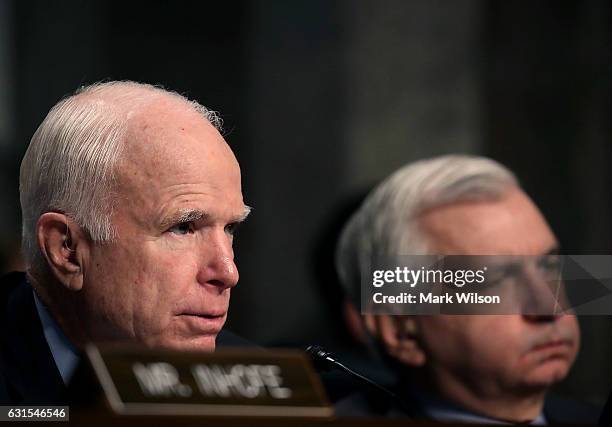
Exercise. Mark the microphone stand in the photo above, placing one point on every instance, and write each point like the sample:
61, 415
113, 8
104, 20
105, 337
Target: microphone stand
326, 361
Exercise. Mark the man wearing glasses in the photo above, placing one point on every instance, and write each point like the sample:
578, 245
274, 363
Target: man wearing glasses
479, 368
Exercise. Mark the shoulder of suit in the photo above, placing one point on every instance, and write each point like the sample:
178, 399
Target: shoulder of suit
558, 409
8, 283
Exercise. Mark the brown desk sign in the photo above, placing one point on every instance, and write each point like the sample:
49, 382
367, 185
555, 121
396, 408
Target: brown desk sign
228, 382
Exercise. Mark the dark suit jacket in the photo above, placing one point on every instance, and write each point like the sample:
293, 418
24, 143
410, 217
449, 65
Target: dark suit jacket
28, 374
369, 403
606, 414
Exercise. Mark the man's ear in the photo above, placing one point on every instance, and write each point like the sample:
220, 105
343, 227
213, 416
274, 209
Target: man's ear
64, 245
400, 337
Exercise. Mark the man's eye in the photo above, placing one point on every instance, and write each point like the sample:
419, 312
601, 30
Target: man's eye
182, 228
550, 264
231, 228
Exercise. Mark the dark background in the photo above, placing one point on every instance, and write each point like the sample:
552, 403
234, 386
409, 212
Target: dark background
321, 100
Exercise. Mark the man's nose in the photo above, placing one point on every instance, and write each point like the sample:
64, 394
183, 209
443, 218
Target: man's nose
218, 266
539, 296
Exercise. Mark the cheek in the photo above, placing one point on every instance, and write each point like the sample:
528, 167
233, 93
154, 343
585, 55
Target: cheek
133, 282
137, 286
164, 281
570, 323
169, 272
502, 338
478, 343
447, 341
111, 273
569, 328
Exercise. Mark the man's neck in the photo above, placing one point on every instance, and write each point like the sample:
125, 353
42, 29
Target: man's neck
493, 402
63, 313
64, 354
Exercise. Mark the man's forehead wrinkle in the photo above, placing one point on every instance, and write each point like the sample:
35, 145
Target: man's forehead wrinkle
187, 187
199, 196
172, 178
178, 195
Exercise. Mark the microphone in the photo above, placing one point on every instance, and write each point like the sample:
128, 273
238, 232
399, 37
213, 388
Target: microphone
326, 361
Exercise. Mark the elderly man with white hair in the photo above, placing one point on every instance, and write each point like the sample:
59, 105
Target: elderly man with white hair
130, 197
494, 368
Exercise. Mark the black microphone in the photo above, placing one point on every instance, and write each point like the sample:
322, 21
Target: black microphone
324, 360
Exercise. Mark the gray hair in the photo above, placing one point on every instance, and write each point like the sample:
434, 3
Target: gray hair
387, 223
70, 163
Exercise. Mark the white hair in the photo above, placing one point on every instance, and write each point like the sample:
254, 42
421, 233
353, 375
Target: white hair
387, 223
70, 163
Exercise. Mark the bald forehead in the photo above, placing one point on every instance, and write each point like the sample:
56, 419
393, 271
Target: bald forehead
167, 123
166, 138
511, 224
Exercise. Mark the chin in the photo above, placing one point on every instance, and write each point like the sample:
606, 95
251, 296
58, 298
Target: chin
547, 374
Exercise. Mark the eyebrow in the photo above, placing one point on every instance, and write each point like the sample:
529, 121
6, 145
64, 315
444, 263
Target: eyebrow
182, 215
189, 215
245, 213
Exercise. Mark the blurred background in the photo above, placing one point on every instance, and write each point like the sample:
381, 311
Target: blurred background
321, 100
